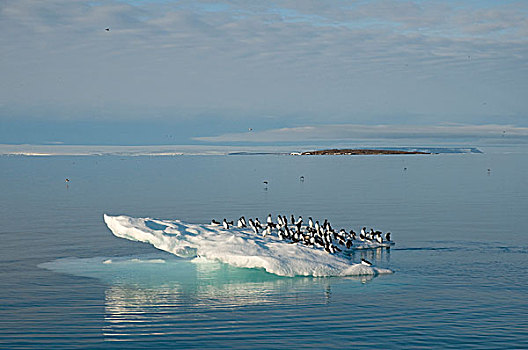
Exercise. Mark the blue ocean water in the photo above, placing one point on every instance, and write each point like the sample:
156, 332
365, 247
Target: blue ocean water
460, 260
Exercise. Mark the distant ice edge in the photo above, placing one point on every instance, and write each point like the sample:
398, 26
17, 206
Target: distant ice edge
237, 247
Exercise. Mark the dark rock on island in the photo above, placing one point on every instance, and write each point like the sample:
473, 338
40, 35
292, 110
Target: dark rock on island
347, 152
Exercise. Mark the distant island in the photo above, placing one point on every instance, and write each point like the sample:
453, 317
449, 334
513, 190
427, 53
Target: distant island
347, 152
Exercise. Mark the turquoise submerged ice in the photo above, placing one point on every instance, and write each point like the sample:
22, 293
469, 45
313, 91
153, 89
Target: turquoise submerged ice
237, 247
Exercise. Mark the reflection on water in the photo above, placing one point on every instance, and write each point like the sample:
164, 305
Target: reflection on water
152, 294
379, 255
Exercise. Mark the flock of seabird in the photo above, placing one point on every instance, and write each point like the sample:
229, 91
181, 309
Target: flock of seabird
313, 234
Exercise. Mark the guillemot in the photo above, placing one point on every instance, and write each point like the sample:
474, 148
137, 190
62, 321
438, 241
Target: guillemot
312, 235
365, 262
252, 225
298, 223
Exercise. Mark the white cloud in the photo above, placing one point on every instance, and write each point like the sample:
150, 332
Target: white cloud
319, 60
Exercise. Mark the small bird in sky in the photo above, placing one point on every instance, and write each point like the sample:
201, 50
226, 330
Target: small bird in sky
107, 29
67, 180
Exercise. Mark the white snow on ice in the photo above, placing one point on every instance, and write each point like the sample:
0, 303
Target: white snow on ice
237, 247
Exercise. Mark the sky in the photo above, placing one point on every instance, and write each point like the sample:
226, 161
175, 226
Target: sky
178, 72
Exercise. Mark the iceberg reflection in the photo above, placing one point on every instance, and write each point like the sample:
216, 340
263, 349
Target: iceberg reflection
151, 294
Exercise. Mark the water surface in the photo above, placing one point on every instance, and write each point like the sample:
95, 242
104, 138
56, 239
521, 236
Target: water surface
460, 261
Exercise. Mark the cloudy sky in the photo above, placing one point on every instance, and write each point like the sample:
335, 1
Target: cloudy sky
207, 71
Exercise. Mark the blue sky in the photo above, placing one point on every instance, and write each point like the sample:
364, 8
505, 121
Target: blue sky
200, 71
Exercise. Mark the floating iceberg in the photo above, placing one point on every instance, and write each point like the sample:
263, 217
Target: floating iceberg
238, 247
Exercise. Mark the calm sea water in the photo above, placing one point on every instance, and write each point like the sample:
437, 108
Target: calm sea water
460, 262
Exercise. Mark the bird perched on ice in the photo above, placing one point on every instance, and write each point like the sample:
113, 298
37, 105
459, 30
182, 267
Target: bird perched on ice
366, 262
241, 223
298, 223
279, 220
252, 225
317, 227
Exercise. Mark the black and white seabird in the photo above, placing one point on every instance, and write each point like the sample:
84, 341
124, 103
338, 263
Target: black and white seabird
252, 225
225, 224
298, 223
296, 237
365, 262
215, 223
